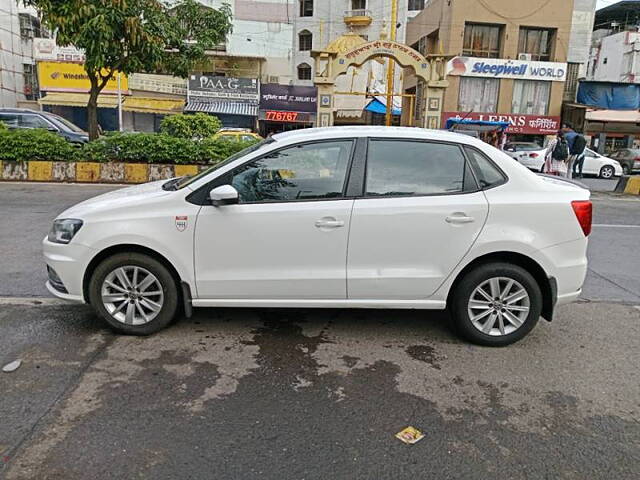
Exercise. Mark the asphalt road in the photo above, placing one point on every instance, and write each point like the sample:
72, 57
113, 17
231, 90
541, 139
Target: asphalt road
306, 394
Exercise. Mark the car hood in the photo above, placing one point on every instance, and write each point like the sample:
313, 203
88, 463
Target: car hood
134, 195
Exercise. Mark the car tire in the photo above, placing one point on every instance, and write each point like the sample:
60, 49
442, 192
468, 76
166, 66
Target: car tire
512, 320
626, 170
142, 302
607, 172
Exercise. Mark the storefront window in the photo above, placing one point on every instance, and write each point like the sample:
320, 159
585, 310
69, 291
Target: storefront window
478, 94
537, 42
481, 40
531, 97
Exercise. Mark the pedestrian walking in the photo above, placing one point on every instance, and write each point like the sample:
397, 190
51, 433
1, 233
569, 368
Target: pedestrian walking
556, 155
577, 145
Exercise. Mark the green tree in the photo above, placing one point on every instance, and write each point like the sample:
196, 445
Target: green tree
196, 126
134, 36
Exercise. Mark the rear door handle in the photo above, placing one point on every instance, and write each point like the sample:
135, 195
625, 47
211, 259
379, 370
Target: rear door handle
329, 223
459, 219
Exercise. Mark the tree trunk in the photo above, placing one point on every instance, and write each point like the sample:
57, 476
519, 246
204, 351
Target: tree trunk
92, 113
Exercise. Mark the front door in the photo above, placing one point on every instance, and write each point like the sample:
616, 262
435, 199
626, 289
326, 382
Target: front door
416, 221
287, 237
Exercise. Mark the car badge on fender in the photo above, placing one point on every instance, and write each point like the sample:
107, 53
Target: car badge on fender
182, 223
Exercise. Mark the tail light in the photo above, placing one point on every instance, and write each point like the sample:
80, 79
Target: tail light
534, 155
584, 213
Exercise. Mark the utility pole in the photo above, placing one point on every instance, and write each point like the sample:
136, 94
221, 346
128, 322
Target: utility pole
391, 70
120, 125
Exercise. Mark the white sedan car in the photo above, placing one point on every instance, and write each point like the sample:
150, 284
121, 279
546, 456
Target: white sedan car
531, 155
354, 217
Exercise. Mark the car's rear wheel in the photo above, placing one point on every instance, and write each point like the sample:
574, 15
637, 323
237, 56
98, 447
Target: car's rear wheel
607, 172
134, 293
626, 170
496, 304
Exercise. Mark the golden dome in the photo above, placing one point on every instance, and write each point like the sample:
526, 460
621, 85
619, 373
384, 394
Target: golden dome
345, 43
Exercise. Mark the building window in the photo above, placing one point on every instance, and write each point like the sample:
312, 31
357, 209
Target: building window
416, 4
30, 82
306, 8
31, 27
531, 97
478, 95
305, 41
481, 40
304, 71
537, 42
571, 85
358, 4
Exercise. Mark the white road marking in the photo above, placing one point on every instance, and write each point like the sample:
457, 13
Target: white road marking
605, 225
31, 301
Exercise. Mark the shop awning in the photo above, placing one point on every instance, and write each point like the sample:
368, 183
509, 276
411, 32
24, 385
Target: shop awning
164, 106
77, 100
621, 116
376, 106
225, 108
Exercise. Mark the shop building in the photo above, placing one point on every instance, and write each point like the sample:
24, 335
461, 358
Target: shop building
233, 100
608, 99
509, 62
286, 107
152, 98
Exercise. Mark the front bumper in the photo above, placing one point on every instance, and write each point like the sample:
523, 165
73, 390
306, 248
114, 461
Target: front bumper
68, 262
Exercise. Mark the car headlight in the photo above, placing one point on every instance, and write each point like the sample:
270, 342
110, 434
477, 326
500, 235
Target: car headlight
64, 230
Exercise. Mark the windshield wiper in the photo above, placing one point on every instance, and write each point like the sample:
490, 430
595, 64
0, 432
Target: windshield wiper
172, 184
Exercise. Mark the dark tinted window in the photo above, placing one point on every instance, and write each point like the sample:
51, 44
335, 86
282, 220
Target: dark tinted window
33, 121
486, 172
396, 168
9, 119
303, 172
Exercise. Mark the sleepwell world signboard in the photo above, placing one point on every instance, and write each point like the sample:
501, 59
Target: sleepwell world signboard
204, 88
288, 103
506, 68
520, 123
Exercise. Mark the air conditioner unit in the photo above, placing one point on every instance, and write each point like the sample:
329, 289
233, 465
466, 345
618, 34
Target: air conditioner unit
525, 57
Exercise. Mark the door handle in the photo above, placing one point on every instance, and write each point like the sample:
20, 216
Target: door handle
459, 219
329, 223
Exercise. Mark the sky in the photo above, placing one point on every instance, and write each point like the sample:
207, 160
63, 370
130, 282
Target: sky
606, 3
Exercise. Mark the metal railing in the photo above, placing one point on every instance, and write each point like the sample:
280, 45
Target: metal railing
362, 12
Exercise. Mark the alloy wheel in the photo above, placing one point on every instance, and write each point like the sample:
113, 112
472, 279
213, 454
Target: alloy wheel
607, 172
132, 295
499, 306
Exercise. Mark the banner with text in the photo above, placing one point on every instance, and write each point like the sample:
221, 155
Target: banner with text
520, 123
71, 77
505, 68
209, 88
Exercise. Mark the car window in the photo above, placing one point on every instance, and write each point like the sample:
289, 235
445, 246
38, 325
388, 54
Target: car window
65, 123
590, 153
9, 119
399, 168
529, 147
33, 121
303, 172
247, 138
487, 173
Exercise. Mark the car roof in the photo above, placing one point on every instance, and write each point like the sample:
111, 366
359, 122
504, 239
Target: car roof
19, 110
324, 133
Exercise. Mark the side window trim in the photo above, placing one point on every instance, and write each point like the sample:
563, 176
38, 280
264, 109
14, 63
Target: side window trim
467, 167
505, 178
229, 175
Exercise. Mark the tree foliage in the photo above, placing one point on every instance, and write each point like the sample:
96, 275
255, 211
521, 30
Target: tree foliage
134, 36
197, 126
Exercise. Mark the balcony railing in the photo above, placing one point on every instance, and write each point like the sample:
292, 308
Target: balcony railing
360, 17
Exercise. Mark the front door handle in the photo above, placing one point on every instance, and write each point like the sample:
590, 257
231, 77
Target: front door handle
459, 218
329, 222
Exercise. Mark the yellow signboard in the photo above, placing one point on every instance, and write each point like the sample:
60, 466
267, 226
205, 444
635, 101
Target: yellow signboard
71, 77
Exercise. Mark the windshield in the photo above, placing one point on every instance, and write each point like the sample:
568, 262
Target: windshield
65, 123
183, 182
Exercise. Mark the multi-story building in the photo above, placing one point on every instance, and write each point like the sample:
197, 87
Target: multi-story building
18, 80
510, 60
609, 91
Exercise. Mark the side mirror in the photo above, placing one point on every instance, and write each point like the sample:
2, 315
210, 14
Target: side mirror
223, 195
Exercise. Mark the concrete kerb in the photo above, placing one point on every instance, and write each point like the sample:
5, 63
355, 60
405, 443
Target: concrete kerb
92, 172
629, 184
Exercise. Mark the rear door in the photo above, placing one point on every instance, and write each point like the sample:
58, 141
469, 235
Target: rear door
420, 214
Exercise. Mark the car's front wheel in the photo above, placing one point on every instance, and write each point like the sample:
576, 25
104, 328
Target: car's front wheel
134, 293
496, 304
626, 170
607, 172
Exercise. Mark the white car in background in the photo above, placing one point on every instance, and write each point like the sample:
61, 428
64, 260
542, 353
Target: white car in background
342, 217
531, 155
